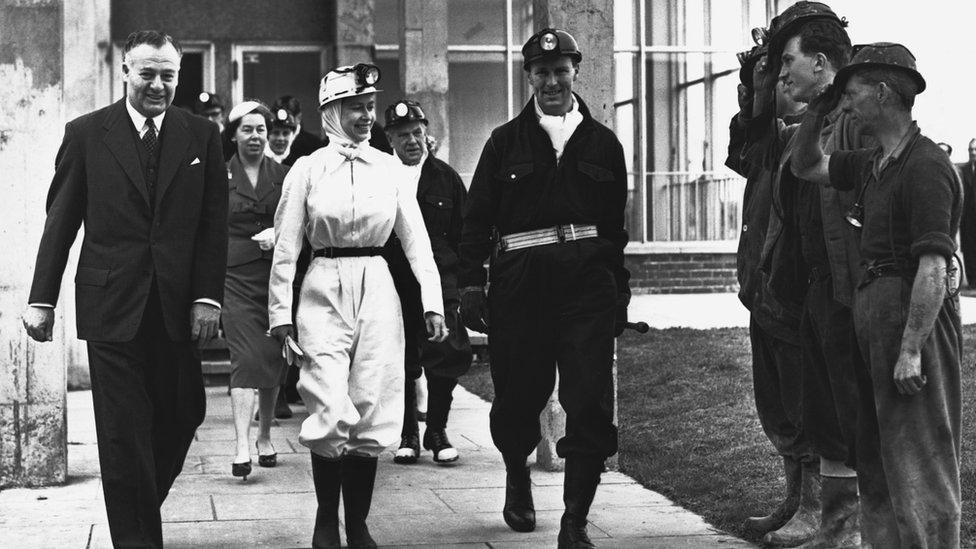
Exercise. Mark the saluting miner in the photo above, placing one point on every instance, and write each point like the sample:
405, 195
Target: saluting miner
553, 184
905, 311
810, 255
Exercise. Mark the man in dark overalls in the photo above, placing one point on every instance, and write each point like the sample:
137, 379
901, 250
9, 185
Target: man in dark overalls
441, 195
553, 184
905, 310
773, 326
810, 254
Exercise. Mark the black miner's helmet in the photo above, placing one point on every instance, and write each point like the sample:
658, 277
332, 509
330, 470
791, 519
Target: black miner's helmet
550, 43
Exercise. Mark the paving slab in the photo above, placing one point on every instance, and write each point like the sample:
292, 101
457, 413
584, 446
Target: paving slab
423, 505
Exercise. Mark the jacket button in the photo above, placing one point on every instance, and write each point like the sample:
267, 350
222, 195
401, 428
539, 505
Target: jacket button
512, 176
440, 203
745, 228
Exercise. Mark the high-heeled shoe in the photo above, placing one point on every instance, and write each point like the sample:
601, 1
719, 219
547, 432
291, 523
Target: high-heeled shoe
269, 460
241, 469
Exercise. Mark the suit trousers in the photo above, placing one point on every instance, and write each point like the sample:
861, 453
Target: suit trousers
149, 400
907, 446
553, 307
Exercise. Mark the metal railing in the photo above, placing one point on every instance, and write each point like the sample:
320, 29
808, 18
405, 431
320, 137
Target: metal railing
689, 206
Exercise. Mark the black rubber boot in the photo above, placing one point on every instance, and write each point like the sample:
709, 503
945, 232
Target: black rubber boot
839, 526
786, 508
806, 521
327, 476
519, 511
358, 478
581, 478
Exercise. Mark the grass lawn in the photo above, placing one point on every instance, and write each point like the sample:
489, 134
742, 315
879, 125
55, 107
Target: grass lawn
688, 426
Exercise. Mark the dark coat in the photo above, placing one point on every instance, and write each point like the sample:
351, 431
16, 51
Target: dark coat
179, 241
251, 210
518, 186
967, 228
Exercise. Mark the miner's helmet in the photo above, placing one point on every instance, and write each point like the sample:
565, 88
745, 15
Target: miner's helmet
550, 43
404, 111
348, 81
283, 119
880, 55
784, 26
207, 102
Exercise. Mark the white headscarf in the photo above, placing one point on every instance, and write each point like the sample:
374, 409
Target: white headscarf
331, 121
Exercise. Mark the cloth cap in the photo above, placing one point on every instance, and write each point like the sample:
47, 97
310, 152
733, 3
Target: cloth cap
404, 111
550, 43
348, 81
207, 101
887, 55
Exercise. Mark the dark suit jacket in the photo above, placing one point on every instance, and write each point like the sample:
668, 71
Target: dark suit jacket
303, 145
252, 209
180, 240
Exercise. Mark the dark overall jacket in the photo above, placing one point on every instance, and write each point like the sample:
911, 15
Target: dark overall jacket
441, 195
518, 186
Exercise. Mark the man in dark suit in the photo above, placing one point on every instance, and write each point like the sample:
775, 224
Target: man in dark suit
967, 228
149, 185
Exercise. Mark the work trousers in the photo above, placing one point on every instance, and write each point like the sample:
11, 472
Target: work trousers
830, 358
553, 307
776, 374
440, 395
149, 400
351, 329
907, 446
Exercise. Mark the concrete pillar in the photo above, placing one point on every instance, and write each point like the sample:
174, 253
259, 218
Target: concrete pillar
591, 23
354, 32
33, 441
423, 63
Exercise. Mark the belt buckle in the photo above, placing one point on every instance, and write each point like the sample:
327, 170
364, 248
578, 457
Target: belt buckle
560, 233
330, 252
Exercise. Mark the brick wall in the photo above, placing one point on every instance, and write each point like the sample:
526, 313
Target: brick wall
673, 273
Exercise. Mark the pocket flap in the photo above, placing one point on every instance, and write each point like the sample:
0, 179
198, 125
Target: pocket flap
597, 173
89, 276
515, 172
441, 202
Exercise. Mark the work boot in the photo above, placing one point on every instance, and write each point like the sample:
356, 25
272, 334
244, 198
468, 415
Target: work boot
358, 478
580, 480
805, 522
839, 527
326, 475
436, 441
787, 507
519, 511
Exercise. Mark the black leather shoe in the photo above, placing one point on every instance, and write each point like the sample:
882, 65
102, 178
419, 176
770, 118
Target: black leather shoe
268, 460
409, 449
572, 533
241, 469
519, 511
436, 441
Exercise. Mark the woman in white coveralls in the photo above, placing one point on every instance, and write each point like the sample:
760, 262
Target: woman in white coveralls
344, 198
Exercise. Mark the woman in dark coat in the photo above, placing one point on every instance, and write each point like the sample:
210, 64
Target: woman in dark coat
256, 362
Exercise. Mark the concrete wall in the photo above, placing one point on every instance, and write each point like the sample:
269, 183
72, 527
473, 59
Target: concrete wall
33, 448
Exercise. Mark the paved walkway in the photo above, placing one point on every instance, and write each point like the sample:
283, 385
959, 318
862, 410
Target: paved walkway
423, 505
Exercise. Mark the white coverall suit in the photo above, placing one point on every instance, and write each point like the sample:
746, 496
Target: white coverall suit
349, 319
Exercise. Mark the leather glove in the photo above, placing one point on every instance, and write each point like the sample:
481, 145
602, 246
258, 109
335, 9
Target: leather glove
280, 332
620, 318
474, 309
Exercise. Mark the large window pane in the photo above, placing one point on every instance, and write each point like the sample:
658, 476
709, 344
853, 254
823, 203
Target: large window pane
625, 23
690, 99
675, 22
626, 125
389, 65
476, 22
477, 104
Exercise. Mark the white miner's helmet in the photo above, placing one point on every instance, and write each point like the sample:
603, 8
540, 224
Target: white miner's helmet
348, 81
